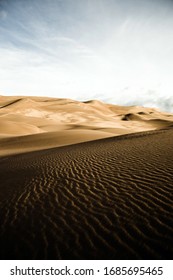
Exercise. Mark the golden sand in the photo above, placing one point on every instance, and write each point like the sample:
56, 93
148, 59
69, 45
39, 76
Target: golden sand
36, 123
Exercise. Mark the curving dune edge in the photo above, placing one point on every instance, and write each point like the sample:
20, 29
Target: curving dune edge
36, 123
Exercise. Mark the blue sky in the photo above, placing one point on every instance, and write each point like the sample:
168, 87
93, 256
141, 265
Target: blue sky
116, 51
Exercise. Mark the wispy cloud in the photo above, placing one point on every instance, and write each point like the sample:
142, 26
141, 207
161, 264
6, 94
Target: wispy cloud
85, 49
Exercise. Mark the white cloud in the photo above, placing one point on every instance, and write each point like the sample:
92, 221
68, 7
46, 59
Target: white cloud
86, 49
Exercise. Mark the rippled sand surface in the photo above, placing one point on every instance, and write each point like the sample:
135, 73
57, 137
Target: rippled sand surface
104, 199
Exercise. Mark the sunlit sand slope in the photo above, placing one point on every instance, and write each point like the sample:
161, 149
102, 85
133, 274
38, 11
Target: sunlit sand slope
105, 199
37, 123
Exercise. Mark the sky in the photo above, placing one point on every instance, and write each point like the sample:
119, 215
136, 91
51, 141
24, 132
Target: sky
117, 51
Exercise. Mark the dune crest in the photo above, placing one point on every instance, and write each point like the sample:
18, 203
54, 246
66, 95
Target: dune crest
55, 122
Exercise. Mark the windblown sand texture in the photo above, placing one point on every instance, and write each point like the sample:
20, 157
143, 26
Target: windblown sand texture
104, 199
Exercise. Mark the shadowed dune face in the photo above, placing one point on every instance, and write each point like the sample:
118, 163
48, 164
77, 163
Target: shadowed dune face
105, 199
53, 122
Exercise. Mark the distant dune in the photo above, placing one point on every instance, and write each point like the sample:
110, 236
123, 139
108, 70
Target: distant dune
33, 123
109, 198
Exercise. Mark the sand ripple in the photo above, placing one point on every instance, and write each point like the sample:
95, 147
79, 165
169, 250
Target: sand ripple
105, 199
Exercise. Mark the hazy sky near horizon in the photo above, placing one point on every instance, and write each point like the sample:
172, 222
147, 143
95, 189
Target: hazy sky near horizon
118, 51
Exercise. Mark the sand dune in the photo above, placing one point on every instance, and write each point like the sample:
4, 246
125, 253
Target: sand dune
33, 123
104, 199
63, 196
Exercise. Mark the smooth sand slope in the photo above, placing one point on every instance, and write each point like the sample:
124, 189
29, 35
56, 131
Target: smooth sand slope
104, 199
36, 123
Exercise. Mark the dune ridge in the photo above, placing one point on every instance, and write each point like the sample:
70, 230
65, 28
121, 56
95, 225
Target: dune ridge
103, 199
37, 123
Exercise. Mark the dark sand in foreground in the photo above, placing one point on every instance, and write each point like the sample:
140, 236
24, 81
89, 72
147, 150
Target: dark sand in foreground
104, 199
